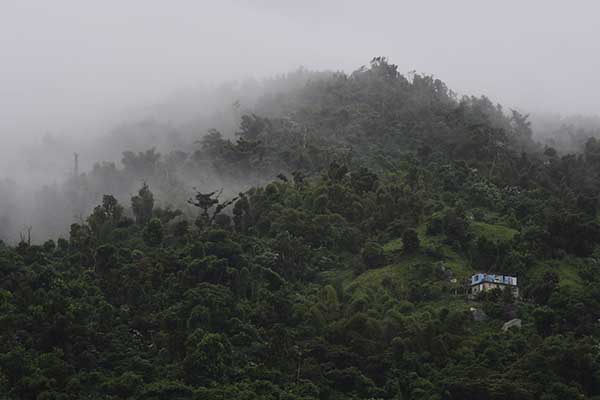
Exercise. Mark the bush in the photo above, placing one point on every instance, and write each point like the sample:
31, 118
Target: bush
373, 255
410, 241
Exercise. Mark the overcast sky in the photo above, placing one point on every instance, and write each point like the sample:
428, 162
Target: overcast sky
67, 64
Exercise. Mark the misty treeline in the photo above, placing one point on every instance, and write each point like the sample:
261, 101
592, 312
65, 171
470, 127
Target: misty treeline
41, 191
566, 134
244, 134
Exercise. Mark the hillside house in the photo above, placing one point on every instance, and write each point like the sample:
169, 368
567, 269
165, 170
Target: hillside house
485, 282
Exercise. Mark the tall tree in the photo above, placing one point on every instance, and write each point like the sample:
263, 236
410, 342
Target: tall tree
143, 205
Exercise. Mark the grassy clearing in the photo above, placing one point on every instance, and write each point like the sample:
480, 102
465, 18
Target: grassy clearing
449, 256
567, 270
373, 278
494, 232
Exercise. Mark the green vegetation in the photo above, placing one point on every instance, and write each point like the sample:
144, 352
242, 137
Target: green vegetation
496, 233
342, 278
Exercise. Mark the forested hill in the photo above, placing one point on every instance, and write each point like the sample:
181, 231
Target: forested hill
341, 274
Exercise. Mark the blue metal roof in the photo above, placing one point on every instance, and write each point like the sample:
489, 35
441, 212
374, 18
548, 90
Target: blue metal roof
492, 278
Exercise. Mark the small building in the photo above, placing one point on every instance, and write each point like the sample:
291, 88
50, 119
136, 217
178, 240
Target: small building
485, 282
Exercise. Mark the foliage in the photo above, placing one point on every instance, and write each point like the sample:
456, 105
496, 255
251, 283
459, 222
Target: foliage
299, 290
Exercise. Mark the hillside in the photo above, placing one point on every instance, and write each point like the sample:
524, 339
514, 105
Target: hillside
326, 255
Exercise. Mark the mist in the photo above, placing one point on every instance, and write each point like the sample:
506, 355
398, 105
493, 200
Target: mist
100, 78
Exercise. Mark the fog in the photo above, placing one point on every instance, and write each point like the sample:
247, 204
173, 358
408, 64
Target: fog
72, 72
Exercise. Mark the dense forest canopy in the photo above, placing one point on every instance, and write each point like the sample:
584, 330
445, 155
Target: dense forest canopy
320, 248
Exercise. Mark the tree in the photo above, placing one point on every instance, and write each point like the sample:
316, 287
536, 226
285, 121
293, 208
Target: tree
141, 164
206, 202
410, 241
105, 216
456, 226
253, 126
363, 180
336, 171
208, 360
143, 205
105, 258
521, 126
373, 255
153, 234
542, 288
